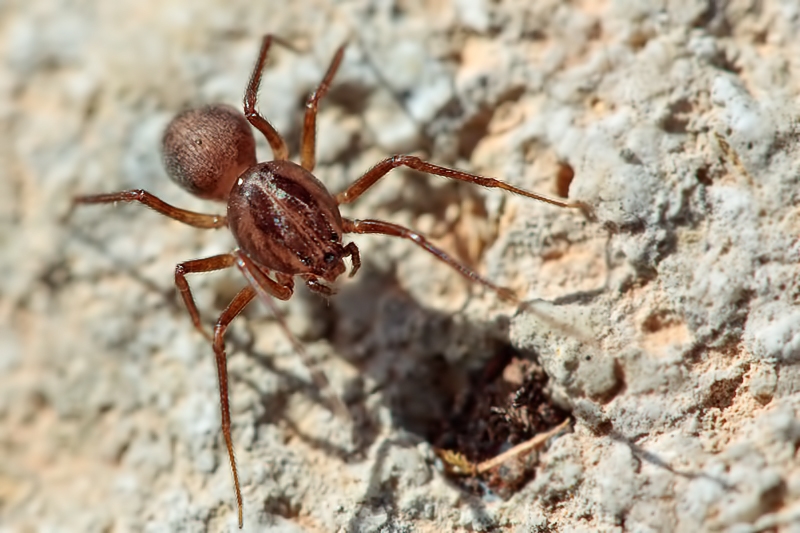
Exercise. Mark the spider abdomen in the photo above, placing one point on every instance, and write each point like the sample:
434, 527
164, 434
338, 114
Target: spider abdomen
206, 149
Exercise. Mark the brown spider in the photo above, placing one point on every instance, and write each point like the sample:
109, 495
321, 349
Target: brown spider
284, 220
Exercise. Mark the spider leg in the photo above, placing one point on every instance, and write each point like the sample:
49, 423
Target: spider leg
276, 142
244, 297
315, 285
198, 220
381, 169
308, 144
264, 287
394, 230
209, 264
352, 250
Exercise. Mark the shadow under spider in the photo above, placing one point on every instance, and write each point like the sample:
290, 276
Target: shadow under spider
124, 267
400, 347
364, 430
394, 342
430, 384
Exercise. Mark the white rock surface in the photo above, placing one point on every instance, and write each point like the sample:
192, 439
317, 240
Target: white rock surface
680, 120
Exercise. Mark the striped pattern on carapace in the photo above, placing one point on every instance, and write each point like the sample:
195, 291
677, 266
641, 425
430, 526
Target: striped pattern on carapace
286, 221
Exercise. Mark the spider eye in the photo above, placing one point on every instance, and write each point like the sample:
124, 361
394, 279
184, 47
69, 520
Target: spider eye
334, 236
329, 258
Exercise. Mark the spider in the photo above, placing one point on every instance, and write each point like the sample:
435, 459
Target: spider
285, 222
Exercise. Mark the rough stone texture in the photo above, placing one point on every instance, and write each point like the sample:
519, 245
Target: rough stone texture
680, 364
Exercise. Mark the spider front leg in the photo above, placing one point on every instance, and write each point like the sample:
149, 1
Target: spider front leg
394, 230
266, 290
265, 286
209, 264
381, 169
258, 283
239, 302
